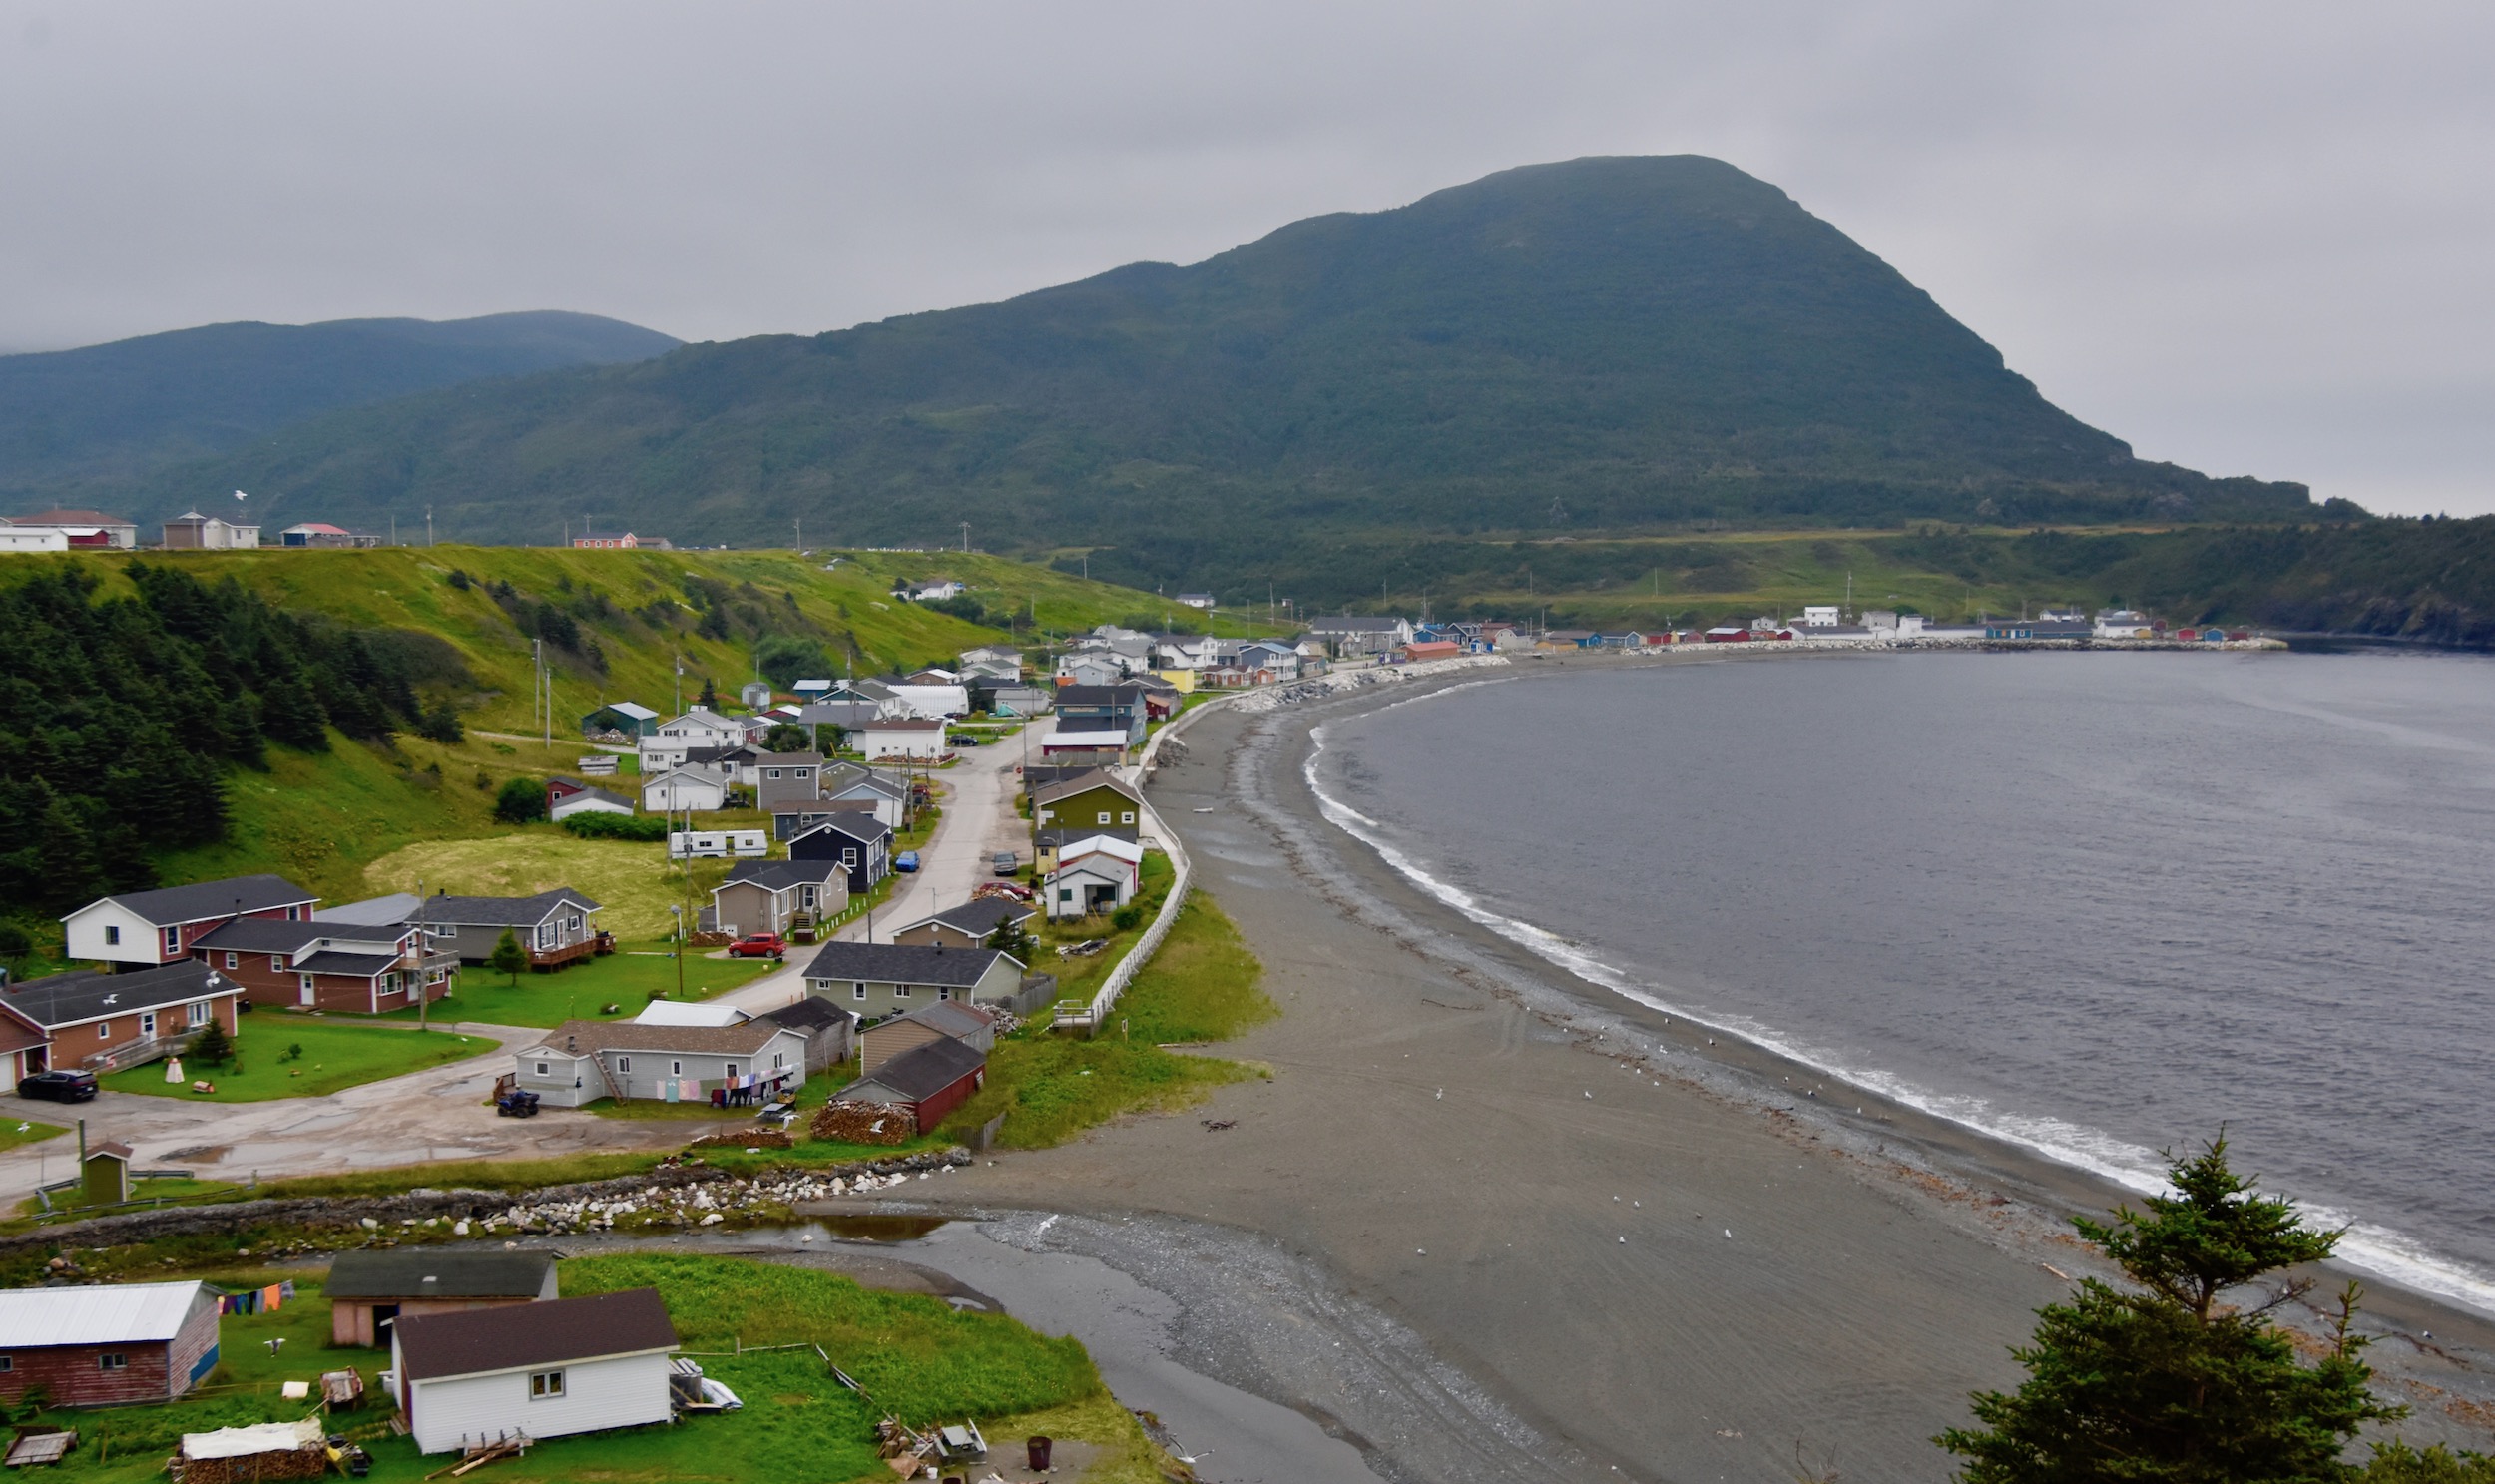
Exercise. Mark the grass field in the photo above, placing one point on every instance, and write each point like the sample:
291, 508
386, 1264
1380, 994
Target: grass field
632, 882
336, 1054
15, 1132
628, 980
1201, 986
915, 1354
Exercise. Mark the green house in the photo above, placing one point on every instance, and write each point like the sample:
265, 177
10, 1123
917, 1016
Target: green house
1096, 801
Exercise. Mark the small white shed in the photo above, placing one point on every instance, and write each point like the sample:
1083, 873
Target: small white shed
535, 1370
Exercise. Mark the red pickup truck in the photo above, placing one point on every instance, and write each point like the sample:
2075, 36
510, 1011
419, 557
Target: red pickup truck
759, 945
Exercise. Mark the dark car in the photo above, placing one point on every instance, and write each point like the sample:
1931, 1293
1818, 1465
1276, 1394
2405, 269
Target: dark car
963, 740
59, 1085
1005, 862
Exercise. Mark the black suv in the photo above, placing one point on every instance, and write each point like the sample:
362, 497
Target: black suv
59, 1085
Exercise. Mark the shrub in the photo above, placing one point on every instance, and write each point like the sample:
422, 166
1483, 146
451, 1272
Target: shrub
521, 801
1128, 917
13, 941
592, 825
212, 1046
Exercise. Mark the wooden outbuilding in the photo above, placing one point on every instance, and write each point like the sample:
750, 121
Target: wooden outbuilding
371, 1290
106, 1346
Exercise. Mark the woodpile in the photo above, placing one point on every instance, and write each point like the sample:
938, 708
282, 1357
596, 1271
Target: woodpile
865, 1123
246, 1455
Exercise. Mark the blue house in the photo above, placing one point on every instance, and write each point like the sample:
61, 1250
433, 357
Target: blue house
1102, 709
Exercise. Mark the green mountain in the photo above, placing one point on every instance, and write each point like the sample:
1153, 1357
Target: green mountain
1600, 345
123, 411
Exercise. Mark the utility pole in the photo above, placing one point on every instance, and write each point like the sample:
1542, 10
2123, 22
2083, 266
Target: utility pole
965, 538
800, 533
425, 946
679, 683
428, 525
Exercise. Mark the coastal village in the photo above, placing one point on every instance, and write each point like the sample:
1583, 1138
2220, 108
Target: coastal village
877, 886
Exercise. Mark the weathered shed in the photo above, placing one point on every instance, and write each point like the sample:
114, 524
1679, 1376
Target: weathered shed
106, 1346
370, 1291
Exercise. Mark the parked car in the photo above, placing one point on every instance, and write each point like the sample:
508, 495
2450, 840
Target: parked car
759, 945
963, 740
516, 1104
1006, 863
907, 860
60, 1084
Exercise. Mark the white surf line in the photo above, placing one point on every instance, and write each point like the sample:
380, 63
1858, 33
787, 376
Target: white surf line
2377, 1249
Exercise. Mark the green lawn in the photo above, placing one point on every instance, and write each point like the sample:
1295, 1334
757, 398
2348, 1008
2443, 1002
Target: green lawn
336, 1054
915, 1354
1201, 986
628, 978
18, 1130
1079, 978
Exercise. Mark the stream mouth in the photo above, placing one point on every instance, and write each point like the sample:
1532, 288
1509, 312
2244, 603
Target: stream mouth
872, 1226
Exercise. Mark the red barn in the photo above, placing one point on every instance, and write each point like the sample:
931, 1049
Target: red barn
106, 1346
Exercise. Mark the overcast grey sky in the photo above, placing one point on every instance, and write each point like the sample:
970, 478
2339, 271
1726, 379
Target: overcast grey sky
2249, 237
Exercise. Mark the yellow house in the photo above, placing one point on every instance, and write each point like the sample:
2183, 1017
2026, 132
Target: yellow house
1184, 680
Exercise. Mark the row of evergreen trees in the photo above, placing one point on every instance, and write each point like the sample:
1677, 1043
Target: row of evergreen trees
124, 713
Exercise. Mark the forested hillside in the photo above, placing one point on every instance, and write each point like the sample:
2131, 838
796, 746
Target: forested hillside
108, 415
1602, 345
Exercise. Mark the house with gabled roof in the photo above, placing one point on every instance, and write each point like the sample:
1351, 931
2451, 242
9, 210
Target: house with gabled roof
102, 1022
972, 1025
926, 1081
357, 968
629, 718
109, 1344
142, 929
967, 926
371, 1289
873, 980
539, 1370
1098, 798
861, 842
580, 1061
773, 897
555, 927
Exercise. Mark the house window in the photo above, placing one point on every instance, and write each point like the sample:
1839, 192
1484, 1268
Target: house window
779, 1060
172, 940
147, 1025
543, 1070
111, 936
544, 1385
574, 924
944, 994
848, 858
732, 1070
198, 1011
857, 991
7, 1364
545, 935
104, 1030
1065, 893
1126, 817
771, 772
900, 991
276, 963
1104, 816
112, 1360
623, 1064
234, 960
675, 1068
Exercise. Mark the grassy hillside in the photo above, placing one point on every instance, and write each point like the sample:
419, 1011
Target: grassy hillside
1600, 345
323, 818
71, 418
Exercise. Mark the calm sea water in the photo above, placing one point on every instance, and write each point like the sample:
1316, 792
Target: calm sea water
2095, 904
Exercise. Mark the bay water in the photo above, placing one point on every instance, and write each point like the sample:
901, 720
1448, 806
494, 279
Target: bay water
2095, 904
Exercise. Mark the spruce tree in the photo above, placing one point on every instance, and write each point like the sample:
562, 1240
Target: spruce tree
508, 959
2165, 1380
212, 1046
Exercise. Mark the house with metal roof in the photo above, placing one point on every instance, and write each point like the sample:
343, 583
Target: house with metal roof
543, 1370
830, 1031
631, 719
106, 1346
104, 1022
580, 1061
873, 980
927, 1082
371, 1289
142, 929
1098, 874
554, 926
969, 925
354, 967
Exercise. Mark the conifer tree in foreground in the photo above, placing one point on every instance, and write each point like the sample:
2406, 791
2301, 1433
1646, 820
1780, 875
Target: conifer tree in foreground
2165, 1382
508, 959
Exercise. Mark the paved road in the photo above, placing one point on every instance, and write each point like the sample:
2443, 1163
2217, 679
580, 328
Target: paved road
443, 1112
979, 821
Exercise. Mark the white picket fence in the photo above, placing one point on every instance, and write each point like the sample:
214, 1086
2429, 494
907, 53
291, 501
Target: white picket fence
1088, 1017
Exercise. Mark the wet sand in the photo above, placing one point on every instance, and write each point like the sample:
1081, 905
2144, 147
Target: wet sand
1634, 1256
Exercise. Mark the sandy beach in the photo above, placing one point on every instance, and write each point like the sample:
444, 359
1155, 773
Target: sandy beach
1628, 1253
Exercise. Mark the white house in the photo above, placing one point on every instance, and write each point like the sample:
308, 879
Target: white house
921, 738
1089, 670
590, 801
936, 700
33, 538
698, 728
141, 928
535, 1370
192, 531
681, 789
1098, 875
2124, 623
580, 1061
1820, 615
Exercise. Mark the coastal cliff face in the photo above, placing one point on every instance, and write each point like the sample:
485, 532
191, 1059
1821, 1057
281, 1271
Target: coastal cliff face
1598, 344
